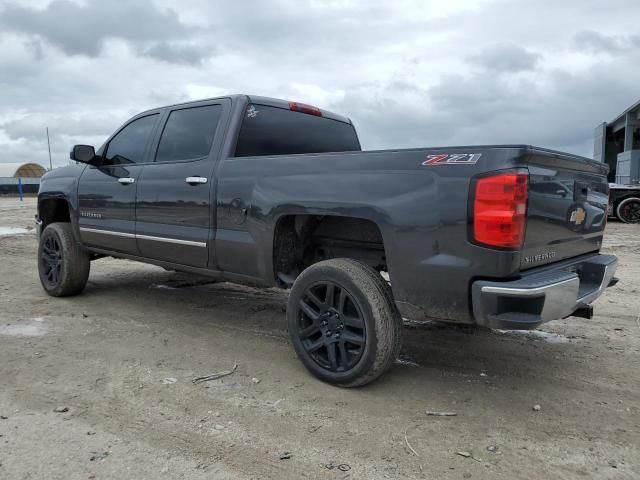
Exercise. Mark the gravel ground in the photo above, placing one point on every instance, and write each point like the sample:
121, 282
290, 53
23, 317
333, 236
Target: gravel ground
121, 358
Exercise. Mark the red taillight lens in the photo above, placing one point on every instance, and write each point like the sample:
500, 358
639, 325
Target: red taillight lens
304, 108
500, 209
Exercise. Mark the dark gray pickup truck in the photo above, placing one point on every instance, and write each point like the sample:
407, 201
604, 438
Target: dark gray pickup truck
246, 189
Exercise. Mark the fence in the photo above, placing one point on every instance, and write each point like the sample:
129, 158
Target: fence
9, 185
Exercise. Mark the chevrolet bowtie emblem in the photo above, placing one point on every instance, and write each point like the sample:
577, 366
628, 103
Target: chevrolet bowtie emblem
578, 216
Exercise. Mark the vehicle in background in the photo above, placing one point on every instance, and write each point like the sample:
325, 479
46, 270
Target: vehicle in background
624, 202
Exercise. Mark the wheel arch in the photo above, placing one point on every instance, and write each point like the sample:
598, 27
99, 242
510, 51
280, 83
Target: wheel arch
54, 207
301, 239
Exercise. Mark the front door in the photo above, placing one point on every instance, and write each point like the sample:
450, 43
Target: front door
175, 205
107, 193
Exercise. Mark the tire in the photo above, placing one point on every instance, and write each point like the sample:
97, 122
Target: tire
628, 210
359, 322
63, 266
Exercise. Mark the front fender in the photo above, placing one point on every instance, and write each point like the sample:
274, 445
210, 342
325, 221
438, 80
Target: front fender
62, 184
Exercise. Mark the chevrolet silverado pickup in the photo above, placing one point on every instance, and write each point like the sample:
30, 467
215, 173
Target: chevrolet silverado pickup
275, 193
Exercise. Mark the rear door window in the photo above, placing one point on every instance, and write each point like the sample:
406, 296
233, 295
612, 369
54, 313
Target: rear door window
269, 130
188, 133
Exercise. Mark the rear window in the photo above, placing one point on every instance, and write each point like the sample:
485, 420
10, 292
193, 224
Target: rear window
278, 131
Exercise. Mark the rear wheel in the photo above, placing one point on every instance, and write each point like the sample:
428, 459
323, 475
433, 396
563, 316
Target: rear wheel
628, 210
343, 322
63, 266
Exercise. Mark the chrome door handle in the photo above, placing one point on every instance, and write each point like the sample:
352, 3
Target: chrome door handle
195, 180
126, 180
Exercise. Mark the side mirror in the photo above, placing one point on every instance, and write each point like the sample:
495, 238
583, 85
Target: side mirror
83, 153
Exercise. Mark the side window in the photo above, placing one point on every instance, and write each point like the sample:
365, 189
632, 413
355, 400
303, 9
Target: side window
129, 144
188, 133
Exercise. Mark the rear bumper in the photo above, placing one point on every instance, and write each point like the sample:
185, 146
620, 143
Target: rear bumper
550, 294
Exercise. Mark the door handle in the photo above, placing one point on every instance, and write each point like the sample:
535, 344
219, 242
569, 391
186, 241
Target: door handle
126, 180
195, 180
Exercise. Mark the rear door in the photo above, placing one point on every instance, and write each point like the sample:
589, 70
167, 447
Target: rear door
107, 193
175, 207
567, 208
278, 129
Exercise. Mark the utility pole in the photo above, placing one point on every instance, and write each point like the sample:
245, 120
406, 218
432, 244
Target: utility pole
49, 146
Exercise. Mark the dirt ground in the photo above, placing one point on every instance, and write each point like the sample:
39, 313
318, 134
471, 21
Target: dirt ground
121, 358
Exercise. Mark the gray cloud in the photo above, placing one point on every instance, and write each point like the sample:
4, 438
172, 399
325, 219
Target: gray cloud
83, 29
506, 57
179, 53
409, 73
32, 127
482, 108
593, 42
35, 46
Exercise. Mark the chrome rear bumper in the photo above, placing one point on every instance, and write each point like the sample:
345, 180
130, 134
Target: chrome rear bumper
553, 293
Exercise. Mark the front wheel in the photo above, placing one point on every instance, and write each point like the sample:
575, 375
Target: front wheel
628, 210
62, 264
343, 322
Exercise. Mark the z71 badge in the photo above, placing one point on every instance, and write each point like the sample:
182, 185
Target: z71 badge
452, 159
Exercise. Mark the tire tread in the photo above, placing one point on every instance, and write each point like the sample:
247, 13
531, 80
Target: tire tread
619, 206
386, 315
76, 264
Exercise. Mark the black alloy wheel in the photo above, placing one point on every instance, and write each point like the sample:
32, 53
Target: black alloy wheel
51, 261
343, 322
63, 265
331, 326
628, 210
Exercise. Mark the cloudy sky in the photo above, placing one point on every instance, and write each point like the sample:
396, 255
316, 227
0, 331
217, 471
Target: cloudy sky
409, 73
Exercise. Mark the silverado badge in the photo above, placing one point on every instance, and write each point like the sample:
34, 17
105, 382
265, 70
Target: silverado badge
87, 214
544, 256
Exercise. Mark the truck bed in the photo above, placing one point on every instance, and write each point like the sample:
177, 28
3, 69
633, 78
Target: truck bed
422, 211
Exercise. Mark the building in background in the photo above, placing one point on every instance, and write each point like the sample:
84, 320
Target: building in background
617, 143
27, 173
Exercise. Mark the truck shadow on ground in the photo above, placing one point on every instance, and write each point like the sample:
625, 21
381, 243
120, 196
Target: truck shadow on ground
452, 350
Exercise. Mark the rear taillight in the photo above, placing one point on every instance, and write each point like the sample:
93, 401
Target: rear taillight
304, 108
500, 209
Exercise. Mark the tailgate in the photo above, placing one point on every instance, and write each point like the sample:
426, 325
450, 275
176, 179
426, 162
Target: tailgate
567, 208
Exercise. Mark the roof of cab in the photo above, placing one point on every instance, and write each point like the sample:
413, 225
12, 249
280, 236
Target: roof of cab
268, 101
277, 102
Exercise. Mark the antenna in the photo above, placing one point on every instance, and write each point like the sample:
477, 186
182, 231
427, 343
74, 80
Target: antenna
49, 146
